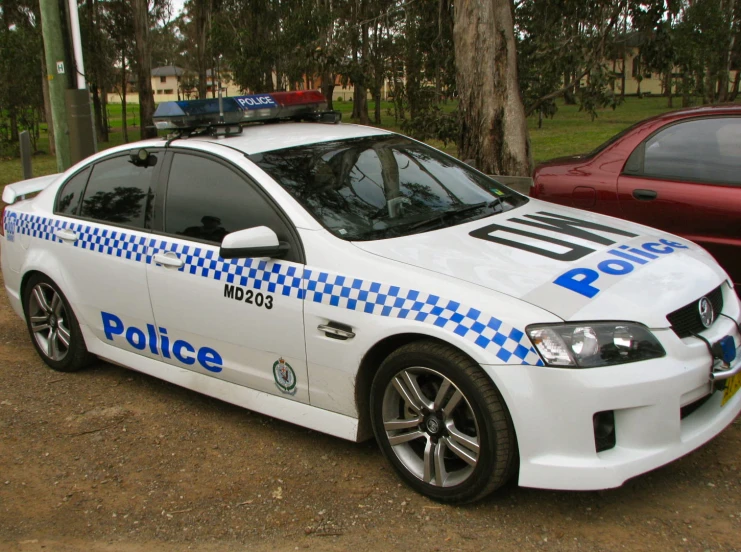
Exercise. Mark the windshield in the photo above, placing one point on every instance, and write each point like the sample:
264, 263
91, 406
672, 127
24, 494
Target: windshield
603, 146
384, 186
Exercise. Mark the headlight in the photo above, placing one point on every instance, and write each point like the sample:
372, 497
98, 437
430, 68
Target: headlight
587, 344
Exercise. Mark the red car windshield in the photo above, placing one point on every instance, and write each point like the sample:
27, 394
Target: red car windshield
612, 140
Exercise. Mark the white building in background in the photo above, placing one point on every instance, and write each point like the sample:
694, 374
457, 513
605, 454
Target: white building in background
175, 83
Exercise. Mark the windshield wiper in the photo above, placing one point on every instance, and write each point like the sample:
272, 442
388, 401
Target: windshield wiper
454, 213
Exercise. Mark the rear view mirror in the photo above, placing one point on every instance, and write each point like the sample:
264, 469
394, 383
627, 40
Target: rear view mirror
260, 241
142, 158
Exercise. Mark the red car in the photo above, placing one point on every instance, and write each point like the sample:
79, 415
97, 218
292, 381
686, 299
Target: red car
679, 172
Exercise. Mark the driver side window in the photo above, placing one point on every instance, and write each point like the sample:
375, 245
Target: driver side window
206, 200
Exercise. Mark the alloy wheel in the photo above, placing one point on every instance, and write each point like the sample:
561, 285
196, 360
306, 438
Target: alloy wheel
49, 321
431, 427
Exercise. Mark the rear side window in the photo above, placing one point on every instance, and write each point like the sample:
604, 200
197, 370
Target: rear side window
703, 150
69, 197
119, 192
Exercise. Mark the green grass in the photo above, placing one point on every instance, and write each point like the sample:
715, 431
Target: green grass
572, 131
569, 132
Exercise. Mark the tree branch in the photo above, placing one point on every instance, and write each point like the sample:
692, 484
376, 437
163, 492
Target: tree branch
599, 54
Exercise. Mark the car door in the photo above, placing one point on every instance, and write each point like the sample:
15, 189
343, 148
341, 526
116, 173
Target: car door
686, 179
101, 222
240, 320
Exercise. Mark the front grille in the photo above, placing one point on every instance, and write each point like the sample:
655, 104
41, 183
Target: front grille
686, 321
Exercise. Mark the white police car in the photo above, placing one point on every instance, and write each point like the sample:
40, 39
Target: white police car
355, 281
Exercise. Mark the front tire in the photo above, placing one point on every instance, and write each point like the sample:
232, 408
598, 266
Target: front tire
441, 423
53, 326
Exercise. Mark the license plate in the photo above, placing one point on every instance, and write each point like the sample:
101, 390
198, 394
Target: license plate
733, 384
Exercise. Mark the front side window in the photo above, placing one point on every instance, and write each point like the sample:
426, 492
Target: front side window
384, 186
207, 200
703, 150
119, 192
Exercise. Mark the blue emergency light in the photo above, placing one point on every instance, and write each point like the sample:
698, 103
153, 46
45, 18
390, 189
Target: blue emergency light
191, 114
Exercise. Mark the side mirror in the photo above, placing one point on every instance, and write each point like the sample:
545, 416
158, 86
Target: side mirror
260, 241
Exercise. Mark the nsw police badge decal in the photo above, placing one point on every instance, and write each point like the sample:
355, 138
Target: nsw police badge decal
285, 377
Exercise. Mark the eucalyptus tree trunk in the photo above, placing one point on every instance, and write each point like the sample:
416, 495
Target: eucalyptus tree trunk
202, 9
361, 89
734, 90
124, 79
327, 88
568, 95
493, 125
98, 111
104, 102
144, 68
727, 65
668, 87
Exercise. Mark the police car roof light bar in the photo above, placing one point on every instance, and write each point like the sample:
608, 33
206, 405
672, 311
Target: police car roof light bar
195, 114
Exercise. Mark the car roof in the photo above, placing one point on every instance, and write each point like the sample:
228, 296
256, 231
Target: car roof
698, 111
268, 137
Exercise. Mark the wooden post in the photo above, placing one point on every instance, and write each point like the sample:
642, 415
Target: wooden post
25, 143
55, 53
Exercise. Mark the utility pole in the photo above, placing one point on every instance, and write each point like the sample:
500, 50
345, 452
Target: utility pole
54, 50
83, 140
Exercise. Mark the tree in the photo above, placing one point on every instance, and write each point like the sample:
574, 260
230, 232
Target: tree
561, 44
21, 97
358, 70
695, 41
140, 9
328, 55
120, 28
168, 44
246, 33
201, 10
99, 54
493, 125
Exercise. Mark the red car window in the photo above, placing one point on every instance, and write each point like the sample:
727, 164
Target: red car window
703, 150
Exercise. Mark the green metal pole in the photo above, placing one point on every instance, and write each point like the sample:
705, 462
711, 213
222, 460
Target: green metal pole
51, 27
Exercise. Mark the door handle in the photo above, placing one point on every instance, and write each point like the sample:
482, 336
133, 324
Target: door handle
645, 195
66, 235
336, 330
169, 260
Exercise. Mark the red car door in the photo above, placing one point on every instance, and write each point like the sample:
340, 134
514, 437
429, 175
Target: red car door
686, 179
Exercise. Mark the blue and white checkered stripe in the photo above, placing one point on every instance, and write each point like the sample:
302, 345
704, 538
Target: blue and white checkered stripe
100, 240
506, 342
269, 277
39, 227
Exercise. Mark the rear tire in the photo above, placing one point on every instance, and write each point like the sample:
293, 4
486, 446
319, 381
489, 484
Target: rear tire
441, 423
53, 326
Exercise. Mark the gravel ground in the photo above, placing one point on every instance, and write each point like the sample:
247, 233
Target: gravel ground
112, 460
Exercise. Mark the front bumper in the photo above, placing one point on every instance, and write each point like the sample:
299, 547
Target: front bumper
553, 408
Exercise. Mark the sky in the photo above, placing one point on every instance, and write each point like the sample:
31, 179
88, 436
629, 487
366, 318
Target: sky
177, 6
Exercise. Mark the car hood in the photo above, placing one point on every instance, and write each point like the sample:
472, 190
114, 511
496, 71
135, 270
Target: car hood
576, 264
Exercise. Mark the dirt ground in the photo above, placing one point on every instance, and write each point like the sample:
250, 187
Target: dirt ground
112, 460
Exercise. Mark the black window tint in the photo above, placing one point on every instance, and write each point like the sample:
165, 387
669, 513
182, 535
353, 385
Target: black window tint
119, 192
705, 150
68, 199
207, 200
